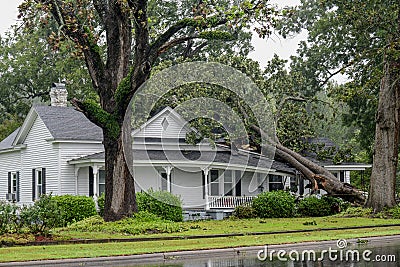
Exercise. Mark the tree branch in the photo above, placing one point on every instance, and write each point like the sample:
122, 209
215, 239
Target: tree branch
197, 49
164, 48
282, 104
200, 24
61, 12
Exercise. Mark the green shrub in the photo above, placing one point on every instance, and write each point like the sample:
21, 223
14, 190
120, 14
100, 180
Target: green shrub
9, 222
244, 212
319, 207
395, 212
161, 203
314, 207
274, 204
42, 216
75, 208
11, 240
356, 212
91, 224
388, 213
100, 204
142, 222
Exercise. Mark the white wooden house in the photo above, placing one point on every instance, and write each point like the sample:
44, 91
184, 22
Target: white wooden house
58, 150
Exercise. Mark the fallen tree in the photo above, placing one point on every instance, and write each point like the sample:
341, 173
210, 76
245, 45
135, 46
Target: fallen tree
319, 177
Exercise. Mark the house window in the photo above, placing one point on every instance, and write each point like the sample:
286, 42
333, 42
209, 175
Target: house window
260, 182
275, 183
224, 185
38, 183
214, 183
14, 182
13, 186
102, 181
228, 183
293, 185
341, 176
164, 186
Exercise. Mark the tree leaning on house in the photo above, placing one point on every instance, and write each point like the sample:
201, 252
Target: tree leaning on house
361, 40
132, 47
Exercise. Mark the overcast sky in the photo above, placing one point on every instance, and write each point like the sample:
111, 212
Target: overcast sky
264, 49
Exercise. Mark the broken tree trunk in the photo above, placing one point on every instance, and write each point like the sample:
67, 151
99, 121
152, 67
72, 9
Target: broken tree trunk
319, 177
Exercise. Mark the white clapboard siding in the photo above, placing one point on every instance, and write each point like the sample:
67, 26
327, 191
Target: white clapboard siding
39, 153
146, 178
69, 151
246, 179
155, 129
10, 162
188, 185
83, 181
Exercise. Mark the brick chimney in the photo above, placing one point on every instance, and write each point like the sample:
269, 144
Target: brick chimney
58, 95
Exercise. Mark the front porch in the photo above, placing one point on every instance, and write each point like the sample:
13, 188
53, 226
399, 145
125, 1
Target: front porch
228, 202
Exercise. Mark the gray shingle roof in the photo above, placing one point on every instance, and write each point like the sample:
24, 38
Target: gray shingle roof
8, 141
221, 156
68, 124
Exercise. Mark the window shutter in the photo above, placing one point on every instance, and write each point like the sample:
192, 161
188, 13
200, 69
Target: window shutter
91, 182
43, 181
203, 185
17, 187
238, 181
33, 184
9, 183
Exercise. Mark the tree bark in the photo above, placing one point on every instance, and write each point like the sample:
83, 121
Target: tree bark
120, 195
319, 177
383, 176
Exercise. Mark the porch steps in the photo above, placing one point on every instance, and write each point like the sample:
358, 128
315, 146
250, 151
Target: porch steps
196, 215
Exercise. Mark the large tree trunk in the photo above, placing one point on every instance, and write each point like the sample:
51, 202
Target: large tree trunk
319, 177
120, 195
383, 176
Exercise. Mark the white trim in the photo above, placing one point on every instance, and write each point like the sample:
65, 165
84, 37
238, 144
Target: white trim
144, 163
59, 169
85, 162
206, 172
360, 167
13, 149
159, 114
26, 126
76, 173
55, 141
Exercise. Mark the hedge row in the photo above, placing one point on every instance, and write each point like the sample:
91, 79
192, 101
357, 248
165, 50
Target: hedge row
281, 204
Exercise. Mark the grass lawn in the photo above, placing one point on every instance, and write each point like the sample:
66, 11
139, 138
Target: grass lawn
241, 226
112, 249
205, 227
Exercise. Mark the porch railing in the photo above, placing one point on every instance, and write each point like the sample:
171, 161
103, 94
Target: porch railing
228, 202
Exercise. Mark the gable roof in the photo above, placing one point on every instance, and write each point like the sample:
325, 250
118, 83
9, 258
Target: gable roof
7, 143
167, 112
66, 123
63, 123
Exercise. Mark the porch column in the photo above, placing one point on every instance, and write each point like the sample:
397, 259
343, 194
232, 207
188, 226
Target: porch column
206, 171
168, 170
76, 172
95, 184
